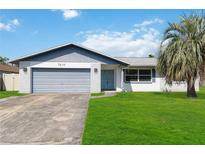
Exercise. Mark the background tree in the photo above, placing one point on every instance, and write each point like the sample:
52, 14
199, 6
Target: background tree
180, 55
3, 60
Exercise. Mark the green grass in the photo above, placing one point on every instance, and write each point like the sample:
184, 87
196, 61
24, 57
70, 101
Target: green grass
97, 94
4, 94
146, 118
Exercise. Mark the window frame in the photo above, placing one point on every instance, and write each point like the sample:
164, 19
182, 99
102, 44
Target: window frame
138, 75
125, 75
145, 75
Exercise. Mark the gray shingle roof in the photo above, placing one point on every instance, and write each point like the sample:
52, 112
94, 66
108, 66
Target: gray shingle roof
139, 61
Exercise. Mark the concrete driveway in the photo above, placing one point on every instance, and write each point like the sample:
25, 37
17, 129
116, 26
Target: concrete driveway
43, 119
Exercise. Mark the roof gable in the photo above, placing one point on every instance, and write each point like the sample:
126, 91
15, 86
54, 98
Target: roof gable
70, 53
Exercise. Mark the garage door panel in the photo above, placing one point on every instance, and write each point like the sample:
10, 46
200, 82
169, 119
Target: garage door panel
61, 80
59, 86
54, 74
64, 81
42, 82
61, 91
54, 77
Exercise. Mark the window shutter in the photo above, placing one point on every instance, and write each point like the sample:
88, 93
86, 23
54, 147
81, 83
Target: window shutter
153, 75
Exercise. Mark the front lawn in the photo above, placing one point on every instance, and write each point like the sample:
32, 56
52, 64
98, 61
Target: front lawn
4, 94
146, 118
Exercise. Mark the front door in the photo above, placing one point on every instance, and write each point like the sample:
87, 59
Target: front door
107, 79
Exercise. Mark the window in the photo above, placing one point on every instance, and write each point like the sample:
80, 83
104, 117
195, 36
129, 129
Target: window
145, 75
137, 75
131, 75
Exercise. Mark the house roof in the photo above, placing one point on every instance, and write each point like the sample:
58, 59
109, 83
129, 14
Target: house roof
8, 68
62, 46
139, 61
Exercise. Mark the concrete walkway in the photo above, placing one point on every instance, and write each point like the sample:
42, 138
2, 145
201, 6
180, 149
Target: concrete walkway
106, 94
43, 119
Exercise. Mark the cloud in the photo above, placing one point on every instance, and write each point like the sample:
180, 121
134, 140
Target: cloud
9, 26
140, 41
69, 13
149, 22
15, 22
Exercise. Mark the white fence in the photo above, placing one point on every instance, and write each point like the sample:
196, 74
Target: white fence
9, 81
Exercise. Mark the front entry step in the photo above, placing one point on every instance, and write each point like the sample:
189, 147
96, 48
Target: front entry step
106, 94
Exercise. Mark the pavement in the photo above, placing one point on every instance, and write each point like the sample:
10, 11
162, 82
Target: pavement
43, 119
106, 94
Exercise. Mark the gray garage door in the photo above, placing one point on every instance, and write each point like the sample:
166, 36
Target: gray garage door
60, 80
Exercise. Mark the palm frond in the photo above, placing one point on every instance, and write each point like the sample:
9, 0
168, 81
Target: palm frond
181, 50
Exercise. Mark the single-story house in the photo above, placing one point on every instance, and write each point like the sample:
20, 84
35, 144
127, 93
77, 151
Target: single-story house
74, 68
9, 77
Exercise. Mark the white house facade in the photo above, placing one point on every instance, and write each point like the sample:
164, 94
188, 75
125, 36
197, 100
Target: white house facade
74, 68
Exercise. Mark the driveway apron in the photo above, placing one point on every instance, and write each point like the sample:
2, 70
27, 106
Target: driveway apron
43, 119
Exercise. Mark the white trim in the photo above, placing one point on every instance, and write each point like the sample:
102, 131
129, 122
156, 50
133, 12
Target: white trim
122, 78
59, 65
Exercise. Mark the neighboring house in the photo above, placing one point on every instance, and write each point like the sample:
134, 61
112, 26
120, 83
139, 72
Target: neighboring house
9, 76
74, 68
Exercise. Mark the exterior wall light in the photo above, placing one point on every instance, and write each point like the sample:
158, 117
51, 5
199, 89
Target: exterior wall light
95, 70
25, 69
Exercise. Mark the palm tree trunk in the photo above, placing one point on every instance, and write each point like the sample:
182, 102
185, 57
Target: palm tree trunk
202, 73
191, 92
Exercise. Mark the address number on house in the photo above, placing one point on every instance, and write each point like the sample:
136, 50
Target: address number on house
61, 64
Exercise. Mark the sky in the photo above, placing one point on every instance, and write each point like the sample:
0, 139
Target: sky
135, 33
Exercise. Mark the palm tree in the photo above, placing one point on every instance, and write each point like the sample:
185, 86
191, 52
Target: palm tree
180, 55
202, 69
